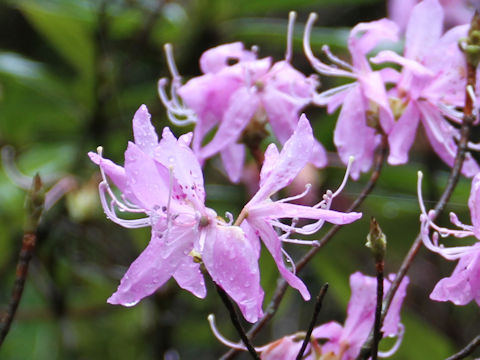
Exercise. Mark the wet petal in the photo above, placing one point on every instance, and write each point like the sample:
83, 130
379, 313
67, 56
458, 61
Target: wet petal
274, 246
189, 277
155, 265
474, 205
295, 154
276, 210
231, 262
143, 131
217, 58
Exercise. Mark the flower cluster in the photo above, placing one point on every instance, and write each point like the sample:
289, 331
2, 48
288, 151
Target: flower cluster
428, 90
162, 179
332, 340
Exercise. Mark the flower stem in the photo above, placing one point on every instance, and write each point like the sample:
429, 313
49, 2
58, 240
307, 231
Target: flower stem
35, 202
235, 321
316, 311
467, 350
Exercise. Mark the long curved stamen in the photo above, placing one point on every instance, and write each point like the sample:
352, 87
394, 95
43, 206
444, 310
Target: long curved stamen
455, 221
177, 113
58, 190
292, 15
395, 347
11, 169
290, 260
351, 159
172, 67
121, 206
336, 60
111, 214
313, 243
317, 64
224, 341
229, 216
295, 197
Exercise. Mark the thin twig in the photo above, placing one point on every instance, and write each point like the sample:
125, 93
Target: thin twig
467, 350
282, 284
377, 334
316, 311
236, 322
468, 120
35, 201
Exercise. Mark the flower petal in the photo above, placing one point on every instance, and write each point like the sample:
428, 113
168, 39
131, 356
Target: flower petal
231, 262
274, 246
217, 58
474, 205
233, 158
143, 131
295, 154
189, 277
403, 134
277, 210
155, 265
243, 105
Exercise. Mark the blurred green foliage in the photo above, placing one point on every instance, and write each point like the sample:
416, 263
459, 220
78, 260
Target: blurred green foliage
72, 74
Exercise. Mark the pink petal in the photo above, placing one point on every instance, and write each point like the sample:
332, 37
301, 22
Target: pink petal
392, 320
403, 134
365, 36
231, 262
284, 349
424, 29
269, 163
233, 158
186, 169
352, 136
274, 246
277, 210
474, 205
242, 107
442, 138
148, 180
143, 131
294, 156
217, 58
153, 267
189, 277
399, 11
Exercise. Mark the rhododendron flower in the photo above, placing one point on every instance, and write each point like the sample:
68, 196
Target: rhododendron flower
163, 180
262, 215
463, 285
430, 86
342, 342
364, 102
239, 94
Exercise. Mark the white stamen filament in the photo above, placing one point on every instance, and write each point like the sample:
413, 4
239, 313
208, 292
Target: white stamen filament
224, 341
295, 197
171, 62
313, 243
229, 216
351, 159
111, 214
316, 63
292, 15
393, 350
290, 260
336, 60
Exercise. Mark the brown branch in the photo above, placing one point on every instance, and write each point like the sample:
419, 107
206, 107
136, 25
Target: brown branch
316, 311
282, 284
236, 322
35, 201
467, 350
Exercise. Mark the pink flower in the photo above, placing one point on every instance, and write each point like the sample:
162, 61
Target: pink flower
430, 86
163, 181
463, 285
261, 215
345, 342
342, 342
239, 94
364, 102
